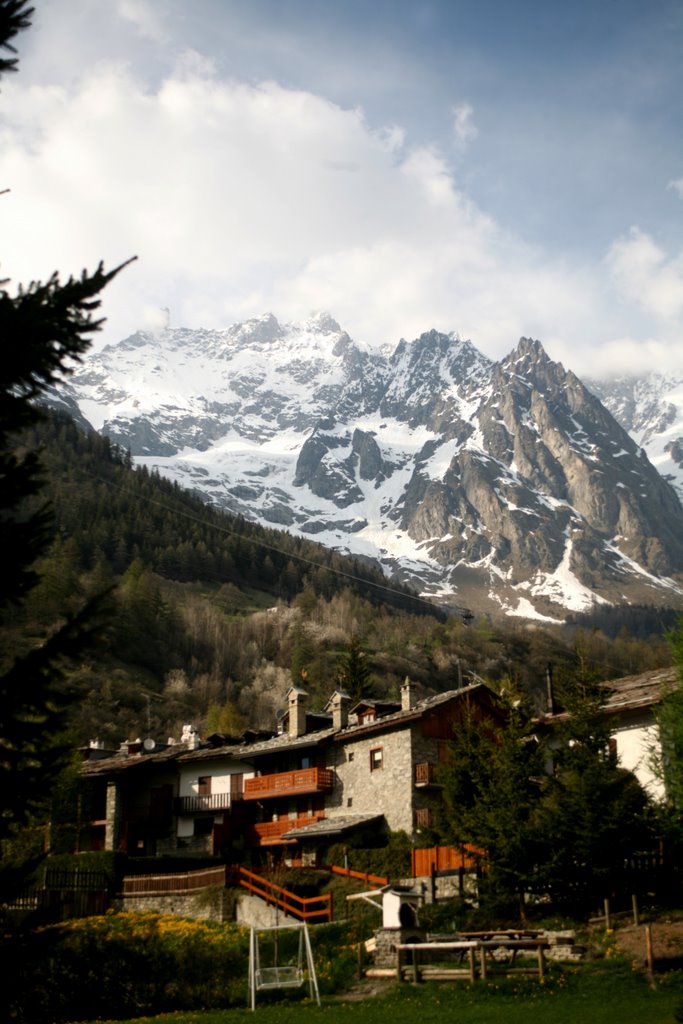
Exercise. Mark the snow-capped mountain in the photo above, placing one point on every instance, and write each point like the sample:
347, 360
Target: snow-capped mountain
651, 409
501, 485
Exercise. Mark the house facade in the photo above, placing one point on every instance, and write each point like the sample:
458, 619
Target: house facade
322, 777
630, 708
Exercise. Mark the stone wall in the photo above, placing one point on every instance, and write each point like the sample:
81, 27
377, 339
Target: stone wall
387, 790
386, 940
209, 905
220, 905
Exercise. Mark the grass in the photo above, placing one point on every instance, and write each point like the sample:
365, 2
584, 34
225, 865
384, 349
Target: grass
599, 993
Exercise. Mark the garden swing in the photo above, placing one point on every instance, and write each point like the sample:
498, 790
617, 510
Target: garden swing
281, 975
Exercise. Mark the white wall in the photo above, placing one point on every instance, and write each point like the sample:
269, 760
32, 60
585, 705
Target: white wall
634, 745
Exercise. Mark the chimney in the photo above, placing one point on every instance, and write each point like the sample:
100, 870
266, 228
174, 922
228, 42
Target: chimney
296, 700
407, 695
338, 705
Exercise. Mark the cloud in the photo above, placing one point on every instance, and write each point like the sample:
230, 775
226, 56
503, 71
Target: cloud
464, 128
641, 270
144, 17
241, 198
677, 186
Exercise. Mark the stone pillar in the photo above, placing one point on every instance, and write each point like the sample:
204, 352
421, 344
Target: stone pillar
112, 829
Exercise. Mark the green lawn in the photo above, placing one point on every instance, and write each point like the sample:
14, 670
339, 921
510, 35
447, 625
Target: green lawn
609, 992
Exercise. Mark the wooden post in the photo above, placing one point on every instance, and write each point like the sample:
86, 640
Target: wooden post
360, 960
541, 962
483, 962
608, 920
649, 956
636, 913
473, 964
399, 973
416, 972
432, 880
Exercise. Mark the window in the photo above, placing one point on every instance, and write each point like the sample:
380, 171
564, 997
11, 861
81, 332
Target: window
350, 756
424, 817
349, 801
204, 785
376, 759
203, 826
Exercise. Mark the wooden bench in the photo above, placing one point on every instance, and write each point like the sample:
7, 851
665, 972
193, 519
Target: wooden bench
516, 945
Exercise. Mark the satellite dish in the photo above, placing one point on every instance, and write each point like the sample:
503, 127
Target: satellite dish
149, 744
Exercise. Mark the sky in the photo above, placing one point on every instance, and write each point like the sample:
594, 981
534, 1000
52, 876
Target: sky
497, 168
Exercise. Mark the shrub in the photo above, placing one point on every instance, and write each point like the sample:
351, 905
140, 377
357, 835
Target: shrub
126, 965
335, 955
123, 965
393, 860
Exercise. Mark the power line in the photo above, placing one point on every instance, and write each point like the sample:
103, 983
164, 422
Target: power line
406, 596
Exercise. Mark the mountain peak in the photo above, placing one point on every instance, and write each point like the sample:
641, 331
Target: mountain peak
322, 323
529, 349
505, 482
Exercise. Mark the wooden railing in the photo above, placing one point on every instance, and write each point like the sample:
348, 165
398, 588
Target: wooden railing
304, 780
186, 881
211, 802
270, 832
312, 908
362, 876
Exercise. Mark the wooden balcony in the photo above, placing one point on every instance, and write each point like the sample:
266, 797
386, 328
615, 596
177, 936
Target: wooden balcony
211, 802
272, 833
297, 783
425, 774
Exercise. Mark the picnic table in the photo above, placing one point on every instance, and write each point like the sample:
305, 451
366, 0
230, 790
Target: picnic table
438, 972
486, 943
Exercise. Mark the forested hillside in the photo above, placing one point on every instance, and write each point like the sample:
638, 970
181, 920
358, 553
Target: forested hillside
210, 617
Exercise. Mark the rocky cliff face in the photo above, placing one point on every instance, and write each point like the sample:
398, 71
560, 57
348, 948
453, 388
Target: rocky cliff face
650, 408
495, 485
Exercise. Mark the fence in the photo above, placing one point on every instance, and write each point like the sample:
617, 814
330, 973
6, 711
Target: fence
362, 876
444, 858
65, 894
183, 881
319, 908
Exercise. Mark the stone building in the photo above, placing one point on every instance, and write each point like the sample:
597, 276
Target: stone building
323, 776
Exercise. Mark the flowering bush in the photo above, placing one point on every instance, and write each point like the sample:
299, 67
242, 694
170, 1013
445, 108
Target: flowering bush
128, 964
123, 965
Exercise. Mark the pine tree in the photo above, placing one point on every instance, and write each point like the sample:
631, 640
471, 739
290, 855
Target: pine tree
354, 674
44, 328
667, 757
490, 793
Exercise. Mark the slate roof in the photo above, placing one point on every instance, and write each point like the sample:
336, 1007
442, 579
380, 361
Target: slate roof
332, 826
630, 693
642, 691
419, 710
